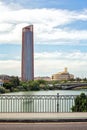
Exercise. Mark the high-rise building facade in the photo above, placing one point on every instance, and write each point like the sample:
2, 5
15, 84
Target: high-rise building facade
27, 53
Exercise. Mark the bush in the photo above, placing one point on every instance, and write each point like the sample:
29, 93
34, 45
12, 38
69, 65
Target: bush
20, 88
2, 90
80, 103
34, 85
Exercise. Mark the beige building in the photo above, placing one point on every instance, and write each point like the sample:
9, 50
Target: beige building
65, 75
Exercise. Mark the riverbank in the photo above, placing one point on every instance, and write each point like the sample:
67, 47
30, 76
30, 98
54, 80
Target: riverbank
80, 88
39, 85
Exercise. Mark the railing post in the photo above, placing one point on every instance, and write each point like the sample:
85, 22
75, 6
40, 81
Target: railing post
57, 102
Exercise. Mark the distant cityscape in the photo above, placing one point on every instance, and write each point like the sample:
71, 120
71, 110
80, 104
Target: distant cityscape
28, 59
27, 66
27, 63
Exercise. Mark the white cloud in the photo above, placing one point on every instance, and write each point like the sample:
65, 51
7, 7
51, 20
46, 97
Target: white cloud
81, 15
49, 67
50, 63
5, 27
46, 64
10, 67
3, 7
15, 6
46, 24
61, 55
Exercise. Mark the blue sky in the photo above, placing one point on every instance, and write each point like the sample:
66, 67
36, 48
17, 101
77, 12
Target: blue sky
61, 4
60, 35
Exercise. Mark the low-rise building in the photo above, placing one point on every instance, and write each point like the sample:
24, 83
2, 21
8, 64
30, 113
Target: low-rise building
43, 78
65, 75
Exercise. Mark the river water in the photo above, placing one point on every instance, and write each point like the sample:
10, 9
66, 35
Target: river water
51, 92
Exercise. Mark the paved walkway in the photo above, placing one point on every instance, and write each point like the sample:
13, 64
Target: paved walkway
29, 117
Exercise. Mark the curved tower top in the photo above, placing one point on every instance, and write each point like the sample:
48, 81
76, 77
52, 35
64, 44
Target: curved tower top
28, 28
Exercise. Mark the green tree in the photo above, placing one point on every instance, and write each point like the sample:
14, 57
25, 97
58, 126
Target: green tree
80, 103
85, 79
2, 90
15, 81
34, 85
8, 85
78, 79
12, 84
41, 81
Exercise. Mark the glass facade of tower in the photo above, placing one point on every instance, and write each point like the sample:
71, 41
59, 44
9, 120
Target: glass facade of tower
27, 53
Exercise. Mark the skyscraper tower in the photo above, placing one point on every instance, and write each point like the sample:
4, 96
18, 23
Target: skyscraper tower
27, 53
